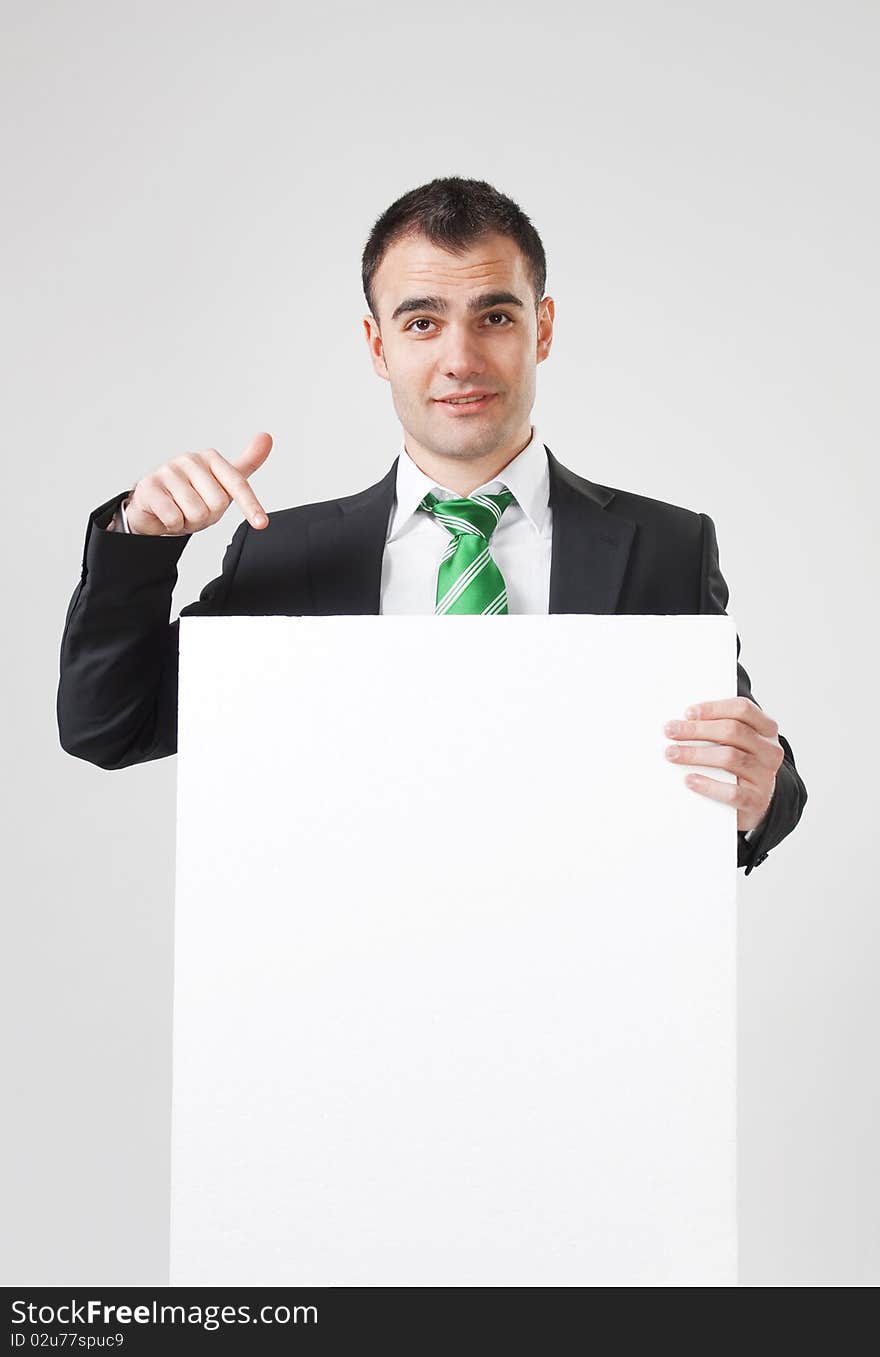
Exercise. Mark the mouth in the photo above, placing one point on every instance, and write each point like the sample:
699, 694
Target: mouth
469, 405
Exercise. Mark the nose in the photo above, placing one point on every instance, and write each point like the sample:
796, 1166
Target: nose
461, 359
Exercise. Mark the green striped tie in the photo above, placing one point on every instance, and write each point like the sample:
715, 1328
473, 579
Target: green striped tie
469, 581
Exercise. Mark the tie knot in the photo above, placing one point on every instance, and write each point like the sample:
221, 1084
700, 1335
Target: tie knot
478, 514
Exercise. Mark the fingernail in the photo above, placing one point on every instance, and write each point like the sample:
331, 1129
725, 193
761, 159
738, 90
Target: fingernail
259, 520
692, 713
672, 752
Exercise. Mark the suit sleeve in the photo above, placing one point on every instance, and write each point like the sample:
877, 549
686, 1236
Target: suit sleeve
117, 689
790, 794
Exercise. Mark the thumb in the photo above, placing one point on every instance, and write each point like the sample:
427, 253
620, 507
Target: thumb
254, 455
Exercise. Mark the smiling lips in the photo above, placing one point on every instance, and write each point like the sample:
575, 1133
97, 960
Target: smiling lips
470, 403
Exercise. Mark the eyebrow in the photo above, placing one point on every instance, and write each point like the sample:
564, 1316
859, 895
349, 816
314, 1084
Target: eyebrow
440, 304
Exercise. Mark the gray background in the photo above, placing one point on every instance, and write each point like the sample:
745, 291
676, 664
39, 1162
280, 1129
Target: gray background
191, 188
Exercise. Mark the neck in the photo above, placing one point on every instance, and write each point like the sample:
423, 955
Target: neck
464, 475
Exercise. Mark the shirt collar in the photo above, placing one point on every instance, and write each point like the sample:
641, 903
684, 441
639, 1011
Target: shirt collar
527, 475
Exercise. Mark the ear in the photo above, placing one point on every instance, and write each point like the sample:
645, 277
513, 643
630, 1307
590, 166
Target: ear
374, 344
546, 316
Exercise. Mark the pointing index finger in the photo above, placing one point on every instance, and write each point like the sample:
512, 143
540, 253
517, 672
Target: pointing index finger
237, 487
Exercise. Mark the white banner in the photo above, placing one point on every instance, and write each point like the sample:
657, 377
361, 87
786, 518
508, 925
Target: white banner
455, 955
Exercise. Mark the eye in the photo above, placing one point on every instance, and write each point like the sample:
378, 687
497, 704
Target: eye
493, 315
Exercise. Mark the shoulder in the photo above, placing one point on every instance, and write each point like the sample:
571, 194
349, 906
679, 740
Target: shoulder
656, 515
659, 515
317, 510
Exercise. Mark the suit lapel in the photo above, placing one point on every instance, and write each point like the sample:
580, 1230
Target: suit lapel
590, 547
345, 551
588, 561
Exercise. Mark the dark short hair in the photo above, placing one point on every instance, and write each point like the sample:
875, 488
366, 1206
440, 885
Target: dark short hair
453, 213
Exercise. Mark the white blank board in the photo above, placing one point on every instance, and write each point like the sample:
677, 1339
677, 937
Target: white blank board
454, 955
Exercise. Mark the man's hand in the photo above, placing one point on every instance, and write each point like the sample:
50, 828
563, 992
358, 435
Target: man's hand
744, 740
195, 490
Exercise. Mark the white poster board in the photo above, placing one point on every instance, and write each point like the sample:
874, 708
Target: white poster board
455, 955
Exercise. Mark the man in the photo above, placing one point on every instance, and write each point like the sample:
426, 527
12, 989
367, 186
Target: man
476, 515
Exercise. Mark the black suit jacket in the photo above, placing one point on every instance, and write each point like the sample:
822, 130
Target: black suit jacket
613, 552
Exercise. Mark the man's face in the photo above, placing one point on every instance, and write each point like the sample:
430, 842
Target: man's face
453, 324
